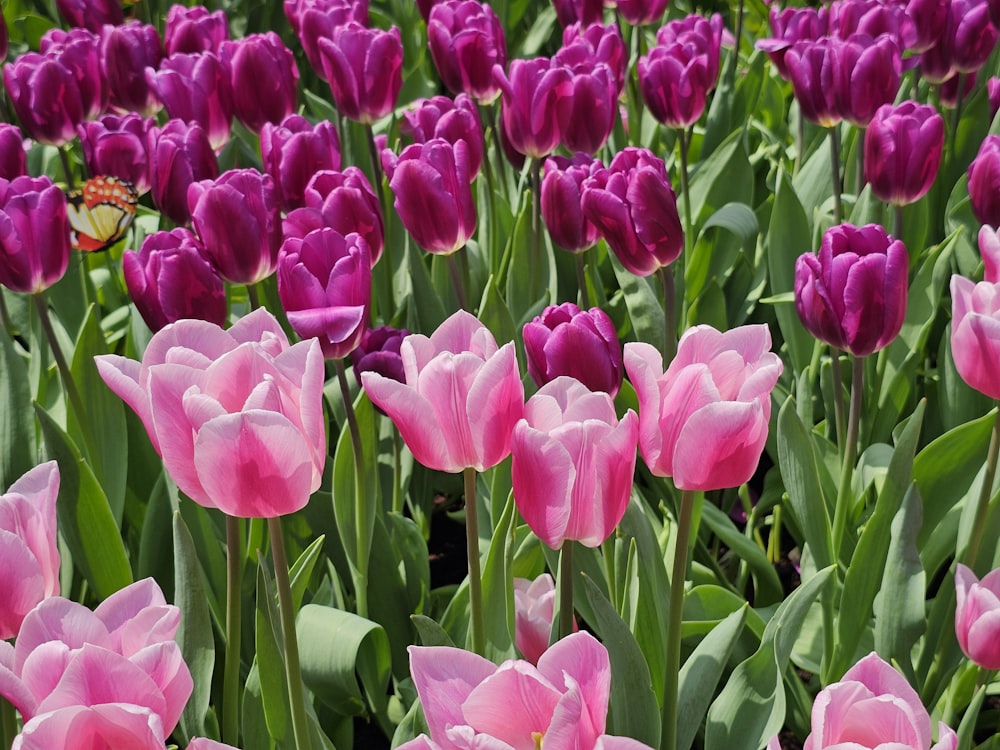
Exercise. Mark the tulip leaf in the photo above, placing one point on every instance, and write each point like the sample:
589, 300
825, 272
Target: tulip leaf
813, 183
706, 605
967, 726
725, 176
429, 313
767, 584
85, 519
644, 303
269, 661
17, 427
498, 587
254, 729
431, 634
302, 569
494, 314
530, 268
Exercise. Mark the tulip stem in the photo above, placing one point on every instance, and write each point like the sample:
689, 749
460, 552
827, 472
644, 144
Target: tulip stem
736, 47
293, 672
234, 608
608, 550
581, 280
8, 724
566, 589
859, 177
386, 264
456, 280
685, 144
361, 510
838, 396
495, 248
897, 223
675, 616
959, 97
845, 496
838, 187
669, 314
64, 158
472, 549
253, 297
536, 224
985, 492
501, 173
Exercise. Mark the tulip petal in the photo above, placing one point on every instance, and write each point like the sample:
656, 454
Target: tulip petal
444, 678
513, 704
720, 445
542, 474
585, 660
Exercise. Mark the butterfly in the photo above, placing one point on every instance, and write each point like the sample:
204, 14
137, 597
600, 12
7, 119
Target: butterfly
101, 212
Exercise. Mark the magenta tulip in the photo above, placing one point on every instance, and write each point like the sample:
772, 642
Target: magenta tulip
313, 20
118, 145
605, 45
379, 351
45, 97
583, 12
34, 234
29, 552
903, 145
13, 157
91, 14
971, 35
195, 29
126, 52
461, 398
977, 616
788, 26
874, 19
642, 12
264, 77
984, 182
852, 295
993, 94
179, 155
537, 105
811, 66
594, 99
79, 52
957, 87
196, 88
237, 415
929, 18
466, 40
534, 611
704, 421
364, 68
975, 320
866, 76
293, 151
562, 201
451, 119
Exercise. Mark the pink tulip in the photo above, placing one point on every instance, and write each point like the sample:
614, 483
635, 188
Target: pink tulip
534, 610
975, 320
237, 415
470, 702
28, 552
704, 420
203, 743
977, 616
462, 396
106, 725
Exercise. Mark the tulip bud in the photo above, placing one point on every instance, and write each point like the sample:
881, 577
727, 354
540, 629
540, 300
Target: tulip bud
313, 20
534, 611
562, 207
13, 158
594, 99
126, 52
903, 147
811, 67
34, 234
583, 12
45, 97
196, 87
642, 12
451, 119
294, 151
92, 15
264, 76
984, 182
605, 44
364, 68
537, 105
192, 30
179, 154
466, 40
378, 351
977, 606
117, 145
789, 26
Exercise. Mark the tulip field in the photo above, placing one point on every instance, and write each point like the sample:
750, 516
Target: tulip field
503, 375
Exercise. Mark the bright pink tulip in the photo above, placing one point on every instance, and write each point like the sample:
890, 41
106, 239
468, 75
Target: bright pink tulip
29, 555
106, 725
977, 616
704, 421
461, 398
537, 104
237, 415
975, 321
203, 743
534, 611
196, 87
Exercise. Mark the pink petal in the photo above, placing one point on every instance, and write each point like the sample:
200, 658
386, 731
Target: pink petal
444, 678
168, 385
512, 704
58, 619
495, 403
164, 664
117, 725
720, 446
22, 585
584, 660
119, 609
122, 376
542, 474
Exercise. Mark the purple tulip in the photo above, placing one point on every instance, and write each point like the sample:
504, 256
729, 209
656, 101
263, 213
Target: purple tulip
642, 12
179, 154
378, 351
317, 19
294, 151
966, 42
118, 145
451, 119
583, 12
903, 145
34, 234
789, 26
703, 34
948, 91
126, 52
634, 207
583, 344
594, 99
866, 76
929, 19
561, 204
13, 157
537, 105
237, 218
466, 40
45, 97
324, 280
79, 51
811, 66
264, 77
872, 18
984, 182
364, 68
170, 278
196, 87
993, 94
677, 74
91, 14
191, 30
852, 295
432, 182
606, 45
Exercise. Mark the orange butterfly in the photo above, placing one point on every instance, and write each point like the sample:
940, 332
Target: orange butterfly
101, 212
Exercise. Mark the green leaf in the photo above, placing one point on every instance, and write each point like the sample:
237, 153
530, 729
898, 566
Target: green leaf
431, 634
644, 303
498, 588
429, 313
302, 569
17, 427
724, 177
768, 586
270, 664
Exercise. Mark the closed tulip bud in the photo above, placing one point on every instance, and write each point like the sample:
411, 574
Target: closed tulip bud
294, 151
866, 76
674, 81
973, 36
583, 12
700, 33
317, 19
811, 67
852, 295
466, 40
170, 279
975, 320
379, 351
594, 99
126, 52
704, 421
534, 611
903, 145
788, 26
537, 105
92, 15
984, 182
432, 183
179, 154
977, 616
45, 97
195, 29
79, 51
196, 88
583, 344
451, 119
642, 12
34, 234
605, 44
118, 145
13, 158
264, 77
562, 201
364, 68
634, 208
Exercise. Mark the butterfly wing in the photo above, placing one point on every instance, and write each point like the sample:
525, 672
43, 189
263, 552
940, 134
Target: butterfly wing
101, 212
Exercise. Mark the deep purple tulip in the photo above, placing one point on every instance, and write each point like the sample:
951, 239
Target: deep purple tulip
179, 155
196, 87
852, 295
810, 66
264, 79
789, 26
45, 97
583, 12
451, 119
703, 34
562, 210
642, 12
583, 344
606, 46
966, 42
294, 151
324, 281
866, 76
79, 51
91, 14
594, 96
993, 94
948, 91
634, 207
126, 52
13, 157
364, 68
378, 352
432, 183
34, 234
929, 19
873, 18
238, 220
537, 105
903, 145
195, 29
466, 40
675, 80
984, 182
170, 279
118, 145
317, 19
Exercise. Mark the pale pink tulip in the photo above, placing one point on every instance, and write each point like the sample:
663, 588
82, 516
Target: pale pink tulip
975, 320
202, 743
704, 421
977, 616
461, 398
534, 609
237, 415
109, 725
470, 702
29, 555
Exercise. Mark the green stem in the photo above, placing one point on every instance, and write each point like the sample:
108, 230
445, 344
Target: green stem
736, 48
838, 187
8, 724
536, 225
475, 577
456, 279
608, 551
234, 608
5, 320
293, 672
685, 145
845, 496
361, 509
397, 471
985, 492
859, 177
958, 112
669, 314
897, 224
675, 616
383, 201
501, 168
581, 280
253, 296
838, 396
566, 589
64, 158
800, 139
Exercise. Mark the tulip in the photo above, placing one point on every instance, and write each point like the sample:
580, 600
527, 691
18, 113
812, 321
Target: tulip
874, 19
313, 20
561, 201
202, 743
126, 52
13, 158
903, 146
45, 97
866, 76
565, 340
852, 295
594, 94
977, 616
537, 105
432, 183
583, 12
364, 68
466, 40
451, 119
702, 35
236, 216
704, 420
179, 155
34, 234
294, 151
264, 76
572, 463
379, 351
196, 87
324, 281
955, 87
634, 208
929, 17
470, 702
789, 26
993, 94
677, 74
811, 67
79, 52
117, 724
534, 611
237, 415
461, 398
118, 145
192, 30
975, 320
984, 182
971, 34
170, 278
92, 15
642, 12
29, 550
605, 44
